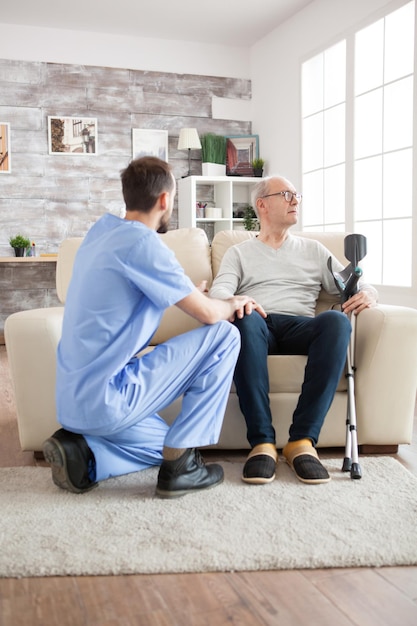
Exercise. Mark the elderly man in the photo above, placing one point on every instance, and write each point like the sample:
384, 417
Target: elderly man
284, 274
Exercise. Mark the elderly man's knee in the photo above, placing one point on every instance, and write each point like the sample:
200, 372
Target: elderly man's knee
251, 324
334, 322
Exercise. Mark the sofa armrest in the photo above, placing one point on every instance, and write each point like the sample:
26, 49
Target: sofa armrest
31, 341
386, 373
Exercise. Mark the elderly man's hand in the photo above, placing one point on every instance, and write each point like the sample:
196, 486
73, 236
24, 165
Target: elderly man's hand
248, 308
364, 299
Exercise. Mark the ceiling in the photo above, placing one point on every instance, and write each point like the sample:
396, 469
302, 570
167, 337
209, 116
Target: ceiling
227, 22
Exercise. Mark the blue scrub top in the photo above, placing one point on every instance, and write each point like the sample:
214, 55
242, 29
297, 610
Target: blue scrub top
124, 277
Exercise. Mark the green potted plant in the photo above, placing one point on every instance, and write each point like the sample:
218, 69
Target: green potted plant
213, 154
20, 244
250, 221
258, 166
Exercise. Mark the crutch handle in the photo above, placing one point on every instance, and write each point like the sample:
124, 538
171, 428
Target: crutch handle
352, 283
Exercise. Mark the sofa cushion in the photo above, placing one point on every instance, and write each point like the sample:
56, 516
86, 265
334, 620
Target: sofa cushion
190, 246
222, 241
192, 249
66, 256
286, 374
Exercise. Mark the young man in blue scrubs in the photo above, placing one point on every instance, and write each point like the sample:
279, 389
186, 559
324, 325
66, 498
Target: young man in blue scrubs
124, 278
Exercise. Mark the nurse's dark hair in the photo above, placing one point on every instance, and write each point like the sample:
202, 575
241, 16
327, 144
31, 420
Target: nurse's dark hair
143, 181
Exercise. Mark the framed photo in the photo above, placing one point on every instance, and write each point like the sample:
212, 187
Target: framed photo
5, 158
241, 150
149, 142
72, 135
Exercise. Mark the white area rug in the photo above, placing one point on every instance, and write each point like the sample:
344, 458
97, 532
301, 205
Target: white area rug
121, 528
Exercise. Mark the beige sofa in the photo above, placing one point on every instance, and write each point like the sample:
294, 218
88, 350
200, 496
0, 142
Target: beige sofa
386, 358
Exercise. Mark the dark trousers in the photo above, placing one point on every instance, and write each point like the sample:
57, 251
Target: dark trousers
324, 339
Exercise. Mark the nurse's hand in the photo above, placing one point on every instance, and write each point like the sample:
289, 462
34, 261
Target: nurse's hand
247, 306
203, 286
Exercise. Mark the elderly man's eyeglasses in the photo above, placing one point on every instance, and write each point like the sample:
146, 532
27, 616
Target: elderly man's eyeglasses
288, 195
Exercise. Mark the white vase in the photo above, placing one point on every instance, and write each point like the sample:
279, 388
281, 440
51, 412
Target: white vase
214, 213
213, 169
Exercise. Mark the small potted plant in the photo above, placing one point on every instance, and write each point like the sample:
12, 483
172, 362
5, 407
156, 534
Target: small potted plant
20, 244
213, 154
250, 221
258, 167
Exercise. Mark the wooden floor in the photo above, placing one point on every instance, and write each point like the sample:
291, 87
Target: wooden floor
342, 597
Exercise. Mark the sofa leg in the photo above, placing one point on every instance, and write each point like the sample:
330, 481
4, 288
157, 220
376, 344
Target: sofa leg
375, 449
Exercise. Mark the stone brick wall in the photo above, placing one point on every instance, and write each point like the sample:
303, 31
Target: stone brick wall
26, 284
51, 197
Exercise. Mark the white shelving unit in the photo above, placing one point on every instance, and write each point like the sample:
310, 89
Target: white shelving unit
224, 192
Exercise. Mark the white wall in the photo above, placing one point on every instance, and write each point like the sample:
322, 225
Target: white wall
273, 64
24, 43
275, 74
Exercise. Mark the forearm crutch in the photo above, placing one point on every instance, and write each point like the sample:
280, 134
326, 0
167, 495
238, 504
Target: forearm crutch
347, 283
351, 460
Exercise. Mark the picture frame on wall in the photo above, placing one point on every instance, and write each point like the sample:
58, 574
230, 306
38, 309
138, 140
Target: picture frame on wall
72, 135
149, 142
241, 150
5, 156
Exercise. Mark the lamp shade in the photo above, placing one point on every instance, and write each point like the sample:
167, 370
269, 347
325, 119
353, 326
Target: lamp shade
188, 139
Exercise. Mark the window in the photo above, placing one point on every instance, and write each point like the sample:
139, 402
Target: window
358, 142
324, 113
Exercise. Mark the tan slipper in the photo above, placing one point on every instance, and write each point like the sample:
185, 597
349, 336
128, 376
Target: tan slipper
302, 457
259, 468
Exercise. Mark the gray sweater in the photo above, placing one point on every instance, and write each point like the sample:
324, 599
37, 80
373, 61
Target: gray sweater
287, 280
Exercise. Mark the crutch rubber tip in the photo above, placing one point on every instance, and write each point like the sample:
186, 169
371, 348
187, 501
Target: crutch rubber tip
347, 464
355, 472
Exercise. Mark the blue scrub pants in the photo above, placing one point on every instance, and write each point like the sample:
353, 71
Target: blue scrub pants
324, 339
197, 365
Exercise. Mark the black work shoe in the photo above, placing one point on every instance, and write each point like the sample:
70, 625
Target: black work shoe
70, 459
187, 474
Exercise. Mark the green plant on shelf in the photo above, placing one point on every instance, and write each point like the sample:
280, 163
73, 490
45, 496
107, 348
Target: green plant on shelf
258, 164
19, 241
250, 221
